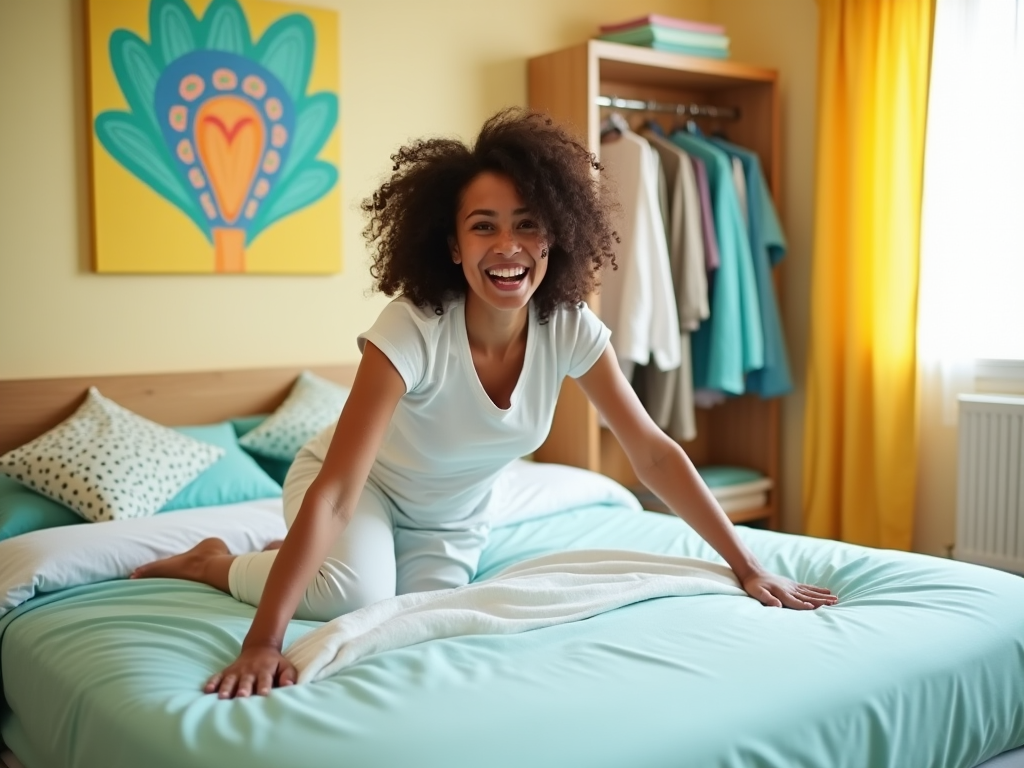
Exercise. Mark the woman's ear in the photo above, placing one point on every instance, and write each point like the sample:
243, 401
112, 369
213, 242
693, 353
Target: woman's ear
454, 248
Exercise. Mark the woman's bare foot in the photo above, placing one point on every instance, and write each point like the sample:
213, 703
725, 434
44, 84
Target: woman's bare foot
191, 565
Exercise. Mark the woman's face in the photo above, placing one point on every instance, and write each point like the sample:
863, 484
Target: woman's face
500, 244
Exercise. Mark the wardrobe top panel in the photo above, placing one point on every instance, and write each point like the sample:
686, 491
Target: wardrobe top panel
626, 63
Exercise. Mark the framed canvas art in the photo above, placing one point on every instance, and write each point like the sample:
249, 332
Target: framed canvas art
214, 129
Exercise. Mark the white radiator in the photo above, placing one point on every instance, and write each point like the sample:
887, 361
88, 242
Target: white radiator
990, 482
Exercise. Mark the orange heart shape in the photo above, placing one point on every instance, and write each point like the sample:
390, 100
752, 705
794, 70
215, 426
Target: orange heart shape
230, 137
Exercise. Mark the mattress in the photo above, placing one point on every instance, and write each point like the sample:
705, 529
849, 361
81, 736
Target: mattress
920, 664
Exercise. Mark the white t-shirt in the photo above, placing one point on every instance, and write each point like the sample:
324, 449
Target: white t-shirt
638, 299
447, 440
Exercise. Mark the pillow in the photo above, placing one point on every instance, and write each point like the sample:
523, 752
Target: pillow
235, 478
57, 559
243, 425
313, 403
526, 490
23, 511
276, 468
107, 463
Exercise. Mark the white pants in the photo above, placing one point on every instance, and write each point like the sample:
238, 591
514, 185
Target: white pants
371, 560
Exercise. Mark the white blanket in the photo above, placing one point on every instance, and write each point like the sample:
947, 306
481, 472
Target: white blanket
541, 592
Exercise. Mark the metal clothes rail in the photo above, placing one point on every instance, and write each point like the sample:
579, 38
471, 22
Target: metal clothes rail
687, 110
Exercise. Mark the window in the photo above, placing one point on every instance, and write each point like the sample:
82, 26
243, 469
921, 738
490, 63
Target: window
972, 239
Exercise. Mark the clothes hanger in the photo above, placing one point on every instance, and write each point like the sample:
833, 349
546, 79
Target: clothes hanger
654, 127
690, 125
614, 126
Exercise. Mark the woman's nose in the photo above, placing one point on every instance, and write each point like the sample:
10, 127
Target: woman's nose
508, 244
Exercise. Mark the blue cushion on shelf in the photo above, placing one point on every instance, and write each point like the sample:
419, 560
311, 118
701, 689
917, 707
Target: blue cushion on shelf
719, 477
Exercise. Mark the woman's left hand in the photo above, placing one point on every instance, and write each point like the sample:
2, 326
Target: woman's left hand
779, 592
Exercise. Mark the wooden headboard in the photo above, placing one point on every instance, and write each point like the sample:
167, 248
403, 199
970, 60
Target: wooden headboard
29, 407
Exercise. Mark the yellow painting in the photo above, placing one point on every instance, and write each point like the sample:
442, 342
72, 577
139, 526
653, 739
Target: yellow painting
215, 137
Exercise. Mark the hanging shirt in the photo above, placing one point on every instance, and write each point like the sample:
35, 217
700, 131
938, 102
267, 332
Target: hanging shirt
741, 186
684, 233
767, 246
707, 215
731, 343
668, 395
637, 300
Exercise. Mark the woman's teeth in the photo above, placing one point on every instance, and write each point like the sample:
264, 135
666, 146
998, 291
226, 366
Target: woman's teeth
507, 272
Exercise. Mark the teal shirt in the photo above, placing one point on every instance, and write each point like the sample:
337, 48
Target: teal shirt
767, 247
730, 344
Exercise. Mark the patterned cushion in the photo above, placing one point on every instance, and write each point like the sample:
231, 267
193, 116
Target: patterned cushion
313, 404
107, 463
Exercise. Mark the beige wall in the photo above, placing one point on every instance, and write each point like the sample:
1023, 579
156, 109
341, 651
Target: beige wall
409, 68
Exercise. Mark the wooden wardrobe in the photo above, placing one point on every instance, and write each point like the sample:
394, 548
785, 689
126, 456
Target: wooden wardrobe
566, 84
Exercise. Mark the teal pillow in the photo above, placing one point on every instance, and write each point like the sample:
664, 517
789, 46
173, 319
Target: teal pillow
276, 468
234, 478
22, 510
245, 424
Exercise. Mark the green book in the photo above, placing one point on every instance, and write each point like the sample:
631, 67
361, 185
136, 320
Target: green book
688, 50
648, 34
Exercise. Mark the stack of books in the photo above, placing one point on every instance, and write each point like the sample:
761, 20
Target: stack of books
664, 33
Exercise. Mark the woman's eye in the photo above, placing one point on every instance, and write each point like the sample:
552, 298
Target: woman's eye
527, 224
482, 226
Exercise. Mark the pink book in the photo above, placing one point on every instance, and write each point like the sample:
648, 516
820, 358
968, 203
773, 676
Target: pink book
665, 21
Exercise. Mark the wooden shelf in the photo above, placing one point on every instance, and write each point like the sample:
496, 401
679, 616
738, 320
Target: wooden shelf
646, 65
653, 504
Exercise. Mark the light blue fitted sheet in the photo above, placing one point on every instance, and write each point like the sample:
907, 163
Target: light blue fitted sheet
921, 664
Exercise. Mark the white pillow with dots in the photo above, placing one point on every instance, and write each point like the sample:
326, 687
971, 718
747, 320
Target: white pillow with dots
313, 404
106, 463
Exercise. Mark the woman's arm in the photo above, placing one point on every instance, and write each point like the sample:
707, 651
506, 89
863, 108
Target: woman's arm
663, 467
325, 511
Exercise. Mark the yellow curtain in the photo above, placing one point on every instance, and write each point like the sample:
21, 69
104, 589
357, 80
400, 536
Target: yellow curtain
860, 450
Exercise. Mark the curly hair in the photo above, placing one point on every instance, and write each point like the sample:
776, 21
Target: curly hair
412, 214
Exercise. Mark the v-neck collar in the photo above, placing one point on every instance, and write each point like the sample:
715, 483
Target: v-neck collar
467, 356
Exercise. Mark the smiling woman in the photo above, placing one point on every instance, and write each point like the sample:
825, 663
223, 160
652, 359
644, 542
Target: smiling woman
442, 191
491, 251
498, 243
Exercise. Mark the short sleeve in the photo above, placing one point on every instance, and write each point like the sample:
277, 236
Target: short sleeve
402, 335
591, 338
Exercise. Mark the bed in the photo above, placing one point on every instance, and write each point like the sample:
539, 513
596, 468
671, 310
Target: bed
921, 663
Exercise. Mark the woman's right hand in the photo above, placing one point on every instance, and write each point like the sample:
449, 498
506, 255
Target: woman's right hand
256, 670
